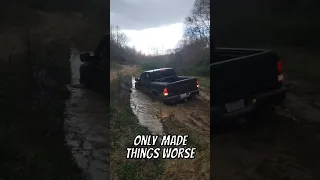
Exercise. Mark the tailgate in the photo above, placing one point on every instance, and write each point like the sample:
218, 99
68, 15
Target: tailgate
243, 77
182, 86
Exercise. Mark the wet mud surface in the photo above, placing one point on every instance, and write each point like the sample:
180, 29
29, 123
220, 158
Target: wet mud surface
283, 144
194, 113
86, 126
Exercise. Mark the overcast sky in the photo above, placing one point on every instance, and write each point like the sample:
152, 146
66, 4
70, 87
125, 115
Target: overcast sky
151, 23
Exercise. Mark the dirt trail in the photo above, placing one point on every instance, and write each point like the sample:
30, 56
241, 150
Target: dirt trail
87, 127
195, 113
281, 145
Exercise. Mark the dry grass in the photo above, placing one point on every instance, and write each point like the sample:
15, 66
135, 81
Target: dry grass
193, 169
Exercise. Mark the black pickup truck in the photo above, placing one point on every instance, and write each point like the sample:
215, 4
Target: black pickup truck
164, 85
244, 80
94, 69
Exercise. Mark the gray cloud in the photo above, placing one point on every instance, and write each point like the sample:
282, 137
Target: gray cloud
141, 14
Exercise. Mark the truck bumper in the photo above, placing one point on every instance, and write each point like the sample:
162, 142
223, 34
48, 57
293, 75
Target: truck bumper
177, 98
268, 99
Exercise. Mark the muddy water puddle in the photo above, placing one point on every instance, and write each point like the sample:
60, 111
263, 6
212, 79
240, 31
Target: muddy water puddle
86, 126
194, 113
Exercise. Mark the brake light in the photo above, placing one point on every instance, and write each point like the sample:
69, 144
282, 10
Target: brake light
280, 67
280, 71
197, 82
165, 92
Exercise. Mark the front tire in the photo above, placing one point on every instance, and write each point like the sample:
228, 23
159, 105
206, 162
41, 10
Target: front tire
85, 82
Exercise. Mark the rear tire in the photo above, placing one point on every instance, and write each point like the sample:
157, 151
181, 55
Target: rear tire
282, 99
168, 103
155, 96
192, 97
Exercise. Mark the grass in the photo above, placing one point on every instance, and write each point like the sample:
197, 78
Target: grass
124, 128
115, 66
32, 124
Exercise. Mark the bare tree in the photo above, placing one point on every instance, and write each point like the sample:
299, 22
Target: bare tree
198, 23
118, 37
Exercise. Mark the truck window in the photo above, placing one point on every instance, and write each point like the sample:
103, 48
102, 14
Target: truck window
163, 73
145, 77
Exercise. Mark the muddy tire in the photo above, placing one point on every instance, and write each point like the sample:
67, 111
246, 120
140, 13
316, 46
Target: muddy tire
155, 96
192, 97
85, 82
168, 103
136, 87
282, 99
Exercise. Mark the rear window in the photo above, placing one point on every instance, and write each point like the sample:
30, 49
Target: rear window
163, 73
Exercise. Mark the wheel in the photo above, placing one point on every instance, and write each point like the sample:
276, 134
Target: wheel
168, 103
85, 75
155, 96
136, 86
191, 97
85, 82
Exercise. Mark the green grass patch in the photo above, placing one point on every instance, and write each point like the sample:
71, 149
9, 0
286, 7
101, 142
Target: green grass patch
124, 127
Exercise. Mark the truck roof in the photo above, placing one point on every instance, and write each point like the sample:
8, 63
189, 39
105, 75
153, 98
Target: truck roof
153, 70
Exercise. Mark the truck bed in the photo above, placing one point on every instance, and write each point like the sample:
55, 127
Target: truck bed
241, 73
225, 54
178, 84
172, 79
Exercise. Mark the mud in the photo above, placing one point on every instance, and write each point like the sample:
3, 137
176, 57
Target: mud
86, 126
276, 145
194, 113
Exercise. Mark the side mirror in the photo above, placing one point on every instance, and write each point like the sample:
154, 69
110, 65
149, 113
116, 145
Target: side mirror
137, 79
85, 57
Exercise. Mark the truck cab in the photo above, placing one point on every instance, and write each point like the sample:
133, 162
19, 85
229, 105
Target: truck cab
94, 68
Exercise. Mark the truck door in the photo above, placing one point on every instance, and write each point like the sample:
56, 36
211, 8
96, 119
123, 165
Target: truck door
145, 82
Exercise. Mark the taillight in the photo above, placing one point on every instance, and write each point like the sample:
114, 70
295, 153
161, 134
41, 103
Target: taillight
197, 83
280, 70
280, 67
165, 92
